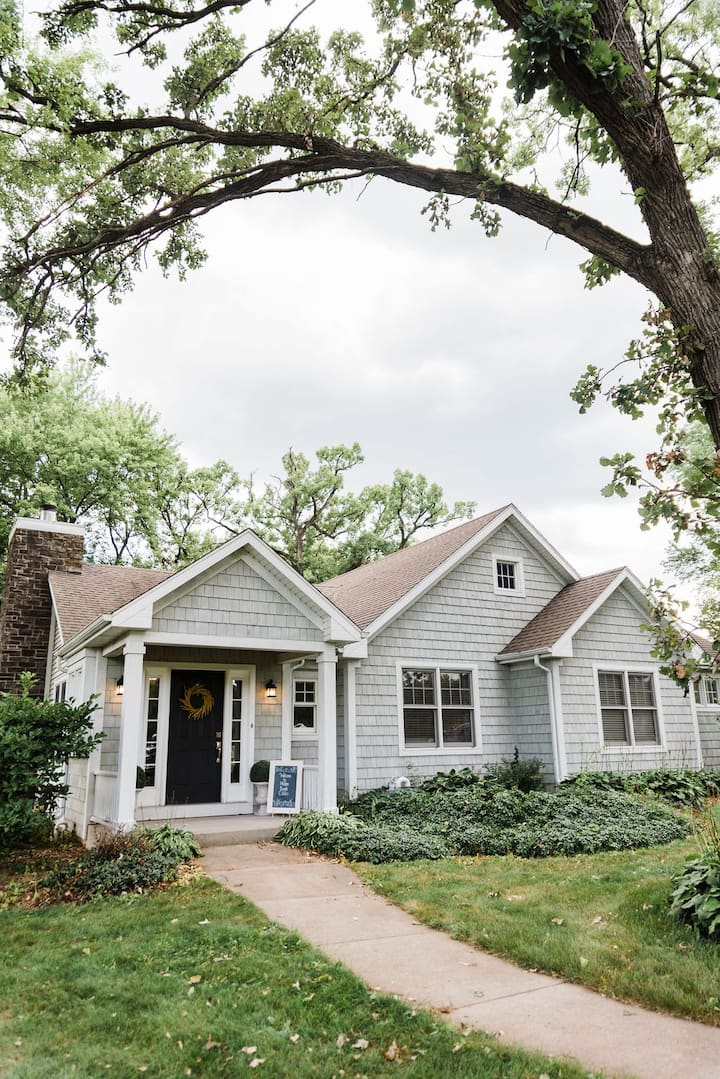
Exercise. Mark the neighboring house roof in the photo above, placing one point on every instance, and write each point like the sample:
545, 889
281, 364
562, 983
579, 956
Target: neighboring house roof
80, 598
561, 614
368, 591
704, 643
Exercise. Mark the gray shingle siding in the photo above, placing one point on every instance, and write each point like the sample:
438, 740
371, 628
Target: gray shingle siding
530, 709
709, 724
235, 601
461, 620
613, 636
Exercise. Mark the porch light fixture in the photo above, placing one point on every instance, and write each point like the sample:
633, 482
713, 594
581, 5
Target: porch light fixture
270, 689
120, 686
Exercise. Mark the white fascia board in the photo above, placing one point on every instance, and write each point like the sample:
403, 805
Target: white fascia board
356, 650
59, 639
523, 657
85, 636
138, 613
510, 512
545, 548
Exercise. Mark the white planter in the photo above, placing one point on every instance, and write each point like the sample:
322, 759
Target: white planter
260, 797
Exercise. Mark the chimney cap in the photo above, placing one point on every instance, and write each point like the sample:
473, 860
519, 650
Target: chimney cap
48, 511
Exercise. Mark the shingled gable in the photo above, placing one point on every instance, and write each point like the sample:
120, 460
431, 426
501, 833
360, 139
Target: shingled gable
125, 600
374, 593
552, 629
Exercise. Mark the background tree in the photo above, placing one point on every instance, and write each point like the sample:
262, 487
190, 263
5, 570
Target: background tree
108, 462
322, 530
95, 177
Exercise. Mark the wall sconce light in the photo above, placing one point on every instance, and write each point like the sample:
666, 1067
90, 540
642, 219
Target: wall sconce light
270, 689
120, 686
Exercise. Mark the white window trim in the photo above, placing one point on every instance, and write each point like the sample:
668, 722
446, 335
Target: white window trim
437, 666
513, 559
632, 746
703, 703
303, 734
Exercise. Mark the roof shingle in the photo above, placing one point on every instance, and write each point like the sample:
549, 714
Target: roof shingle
365, 593
562, 612
80, 598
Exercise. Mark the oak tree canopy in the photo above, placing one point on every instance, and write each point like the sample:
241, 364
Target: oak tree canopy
459, 98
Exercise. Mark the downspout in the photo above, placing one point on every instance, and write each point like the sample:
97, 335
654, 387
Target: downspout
555, 723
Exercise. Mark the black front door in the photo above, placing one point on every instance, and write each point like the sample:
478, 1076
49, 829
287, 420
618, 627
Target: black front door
195, 737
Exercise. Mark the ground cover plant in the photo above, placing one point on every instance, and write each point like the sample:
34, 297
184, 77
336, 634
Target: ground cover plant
678, 787
482, 818
603, 920
193, 981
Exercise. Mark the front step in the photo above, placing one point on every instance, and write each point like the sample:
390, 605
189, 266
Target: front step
227, 831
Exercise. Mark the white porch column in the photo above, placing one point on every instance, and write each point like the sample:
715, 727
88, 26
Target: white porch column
351, 666
286, 705
131, 718
327, 730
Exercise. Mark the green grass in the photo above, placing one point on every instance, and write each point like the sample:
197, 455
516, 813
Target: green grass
601, 920
188, 980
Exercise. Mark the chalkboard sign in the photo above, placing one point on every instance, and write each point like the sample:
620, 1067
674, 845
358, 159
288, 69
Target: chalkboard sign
285, 786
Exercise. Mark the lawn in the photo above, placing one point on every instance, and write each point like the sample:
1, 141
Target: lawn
194, 981
601, 920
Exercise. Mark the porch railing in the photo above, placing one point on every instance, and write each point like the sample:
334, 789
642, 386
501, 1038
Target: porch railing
311, 787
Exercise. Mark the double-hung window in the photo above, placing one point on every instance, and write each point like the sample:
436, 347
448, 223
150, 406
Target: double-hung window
437, 707
305, 706
628, 707
707, 691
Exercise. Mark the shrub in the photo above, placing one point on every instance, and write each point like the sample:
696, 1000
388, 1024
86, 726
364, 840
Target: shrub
483, 819
682, 788
518, 774
695, 898
126, 862
451, 781
260, 772
175, 842
37, 738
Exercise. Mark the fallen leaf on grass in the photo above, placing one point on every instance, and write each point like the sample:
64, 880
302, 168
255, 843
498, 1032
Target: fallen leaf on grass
294, 1038
194, 979
340, 1041
251, 1050
391, 1052
361, 1043
257, 1062
583, 961
558, 921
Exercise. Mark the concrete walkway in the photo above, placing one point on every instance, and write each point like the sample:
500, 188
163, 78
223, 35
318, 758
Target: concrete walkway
328, 905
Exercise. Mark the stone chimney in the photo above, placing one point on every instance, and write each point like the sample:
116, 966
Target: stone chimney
36, 547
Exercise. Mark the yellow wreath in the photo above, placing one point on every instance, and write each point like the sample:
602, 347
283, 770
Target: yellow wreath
206, 702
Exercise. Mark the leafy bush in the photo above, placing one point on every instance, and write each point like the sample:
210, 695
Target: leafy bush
482, 819
518, 774
696, 896
260, 772
451, 781
130, 862
175, 842
681, 788
37, 738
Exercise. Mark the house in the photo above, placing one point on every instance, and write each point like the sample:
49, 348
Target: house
446, 654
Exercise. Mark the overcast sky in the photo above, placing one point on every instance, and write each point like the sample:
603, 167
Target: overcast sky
321, 319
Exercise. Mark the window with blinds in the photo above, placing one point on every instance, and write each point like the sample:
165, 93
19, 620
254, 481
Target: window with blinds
436, 719
628, 707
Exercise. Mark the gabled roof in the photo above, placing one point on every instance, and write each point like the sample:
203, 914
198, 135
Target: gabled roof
80, 598
566, 613
370, 590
